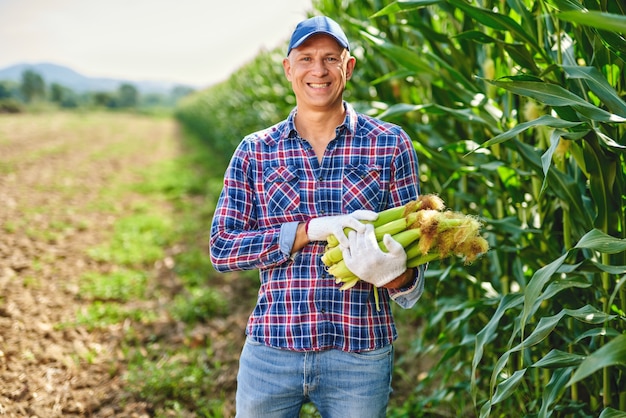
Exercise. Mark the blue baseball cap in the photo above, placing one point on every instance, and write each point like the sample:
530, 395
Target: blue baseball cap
317, 25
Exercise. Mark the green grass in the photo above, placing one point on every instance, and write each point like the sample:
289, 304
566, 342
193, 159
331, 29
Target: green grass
175, 381
168, 220
100, 315
138, 239
121, 285
198, 303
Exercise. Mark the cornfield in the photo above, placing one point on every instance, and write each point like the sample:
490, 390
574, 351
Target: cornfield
516, 110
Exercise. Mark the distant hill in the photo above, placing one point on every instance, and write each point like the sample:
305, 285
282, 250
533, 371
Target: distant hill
53, 73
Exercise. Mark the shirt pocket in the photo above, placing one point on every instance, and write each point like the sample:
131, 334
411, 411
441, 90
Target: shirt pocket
282, 188
361, 187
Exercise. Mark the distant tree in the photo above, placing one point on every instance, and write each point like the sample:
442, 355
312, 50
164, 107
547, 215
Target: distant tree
128, 96
63, 96
57, 92
6, 90
33, 85
153, 100
104, 99
10, 105
179, 92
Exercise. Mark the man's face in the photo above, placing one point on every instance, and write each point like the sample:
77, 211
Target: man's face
318, 71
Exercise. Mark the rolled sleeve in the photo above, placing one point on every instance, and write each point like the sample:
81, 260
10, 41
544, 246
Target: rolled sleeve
287, 237
408, 296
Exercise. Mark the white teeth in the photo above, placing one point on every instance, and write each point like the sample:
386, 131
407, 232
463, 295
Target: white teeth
318, 86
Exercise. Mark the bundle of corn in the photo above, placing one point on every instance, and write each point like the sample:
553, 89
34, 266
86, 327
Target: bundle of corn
425, 229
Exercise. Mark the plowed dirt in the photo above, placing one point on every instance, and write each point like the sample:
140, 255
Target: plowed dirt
54, 170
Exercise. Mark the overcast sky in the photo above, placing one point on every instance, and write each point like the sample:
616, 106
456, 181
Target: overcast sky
197, 42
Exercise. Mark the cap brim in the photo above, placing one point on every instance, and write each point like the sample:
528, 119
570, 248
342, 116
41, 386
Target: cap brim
308, 35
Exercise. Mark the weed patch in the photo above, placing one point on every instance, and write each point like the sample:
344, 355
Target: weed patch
100, 315
121, 285
175, 382
138, 240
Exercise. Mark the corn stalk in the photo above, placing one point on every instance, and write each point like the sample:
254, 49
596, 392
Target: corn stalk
516, 111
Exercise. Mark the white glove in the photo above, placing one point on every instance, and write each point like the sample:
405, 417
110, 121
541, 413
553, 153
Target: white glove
368, 262
321, 228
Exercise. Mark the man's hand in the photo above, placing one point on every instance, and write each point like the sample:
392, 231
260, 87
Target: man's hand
321, 228
368, 262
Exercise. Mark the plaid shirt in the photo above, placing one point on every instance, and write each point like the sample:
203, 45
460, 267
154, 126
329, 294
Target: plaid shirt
274, 181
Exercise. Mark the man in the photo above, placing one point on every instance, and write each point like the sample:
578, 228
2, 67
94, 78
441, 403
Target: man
287, 189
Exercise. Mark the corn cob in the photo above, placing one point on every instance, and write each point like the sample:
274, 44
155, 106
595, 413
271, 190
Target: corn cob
405, 238
423, 202
348, 282
427, 232
470, 249
333, 254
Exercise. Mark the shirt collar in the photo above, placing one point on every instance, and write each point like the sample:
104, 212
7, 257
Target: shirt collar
350, 122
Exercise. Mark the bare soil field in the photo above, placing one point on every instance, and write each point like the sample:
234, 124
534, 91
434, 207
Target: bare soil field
60, 177
54, 170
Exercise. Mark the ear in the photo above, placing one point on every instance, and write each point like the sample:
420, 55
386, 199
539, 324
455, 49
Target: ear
350, 67
287, 68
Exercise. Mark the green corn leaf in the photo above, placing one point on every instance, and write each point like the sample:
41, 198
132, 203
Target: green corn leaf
554, 390
554, 95
616, 290
557, 359
545, 120
588, 314
599, 85
485, 410
611, 354
466, 88
405, 57
517, 51
521, 8
608, 141
546, 158
499, 22
568, 190
604, 243
463, 115
507, 388
597, 332
520, 54
563, 186
599, 20
399, 109
599, 170
477, 36
403, 6
612, 413
610, 27
611, 269
567, 5
536, 284
489, 332
542, 330
563, 284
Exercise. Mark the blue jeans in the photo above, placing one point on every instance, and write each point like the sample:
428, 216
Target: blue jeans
276, 383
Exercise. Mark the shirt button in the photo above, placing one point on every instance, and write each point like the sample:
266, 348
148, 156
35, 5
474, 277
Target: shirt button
323, 310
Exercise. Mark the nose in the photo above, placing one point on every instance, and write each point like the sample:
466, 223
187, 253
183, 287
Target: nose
319, 67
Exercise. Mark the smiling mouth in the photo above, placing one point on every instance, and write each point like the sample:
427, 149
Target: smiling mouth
319, 85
